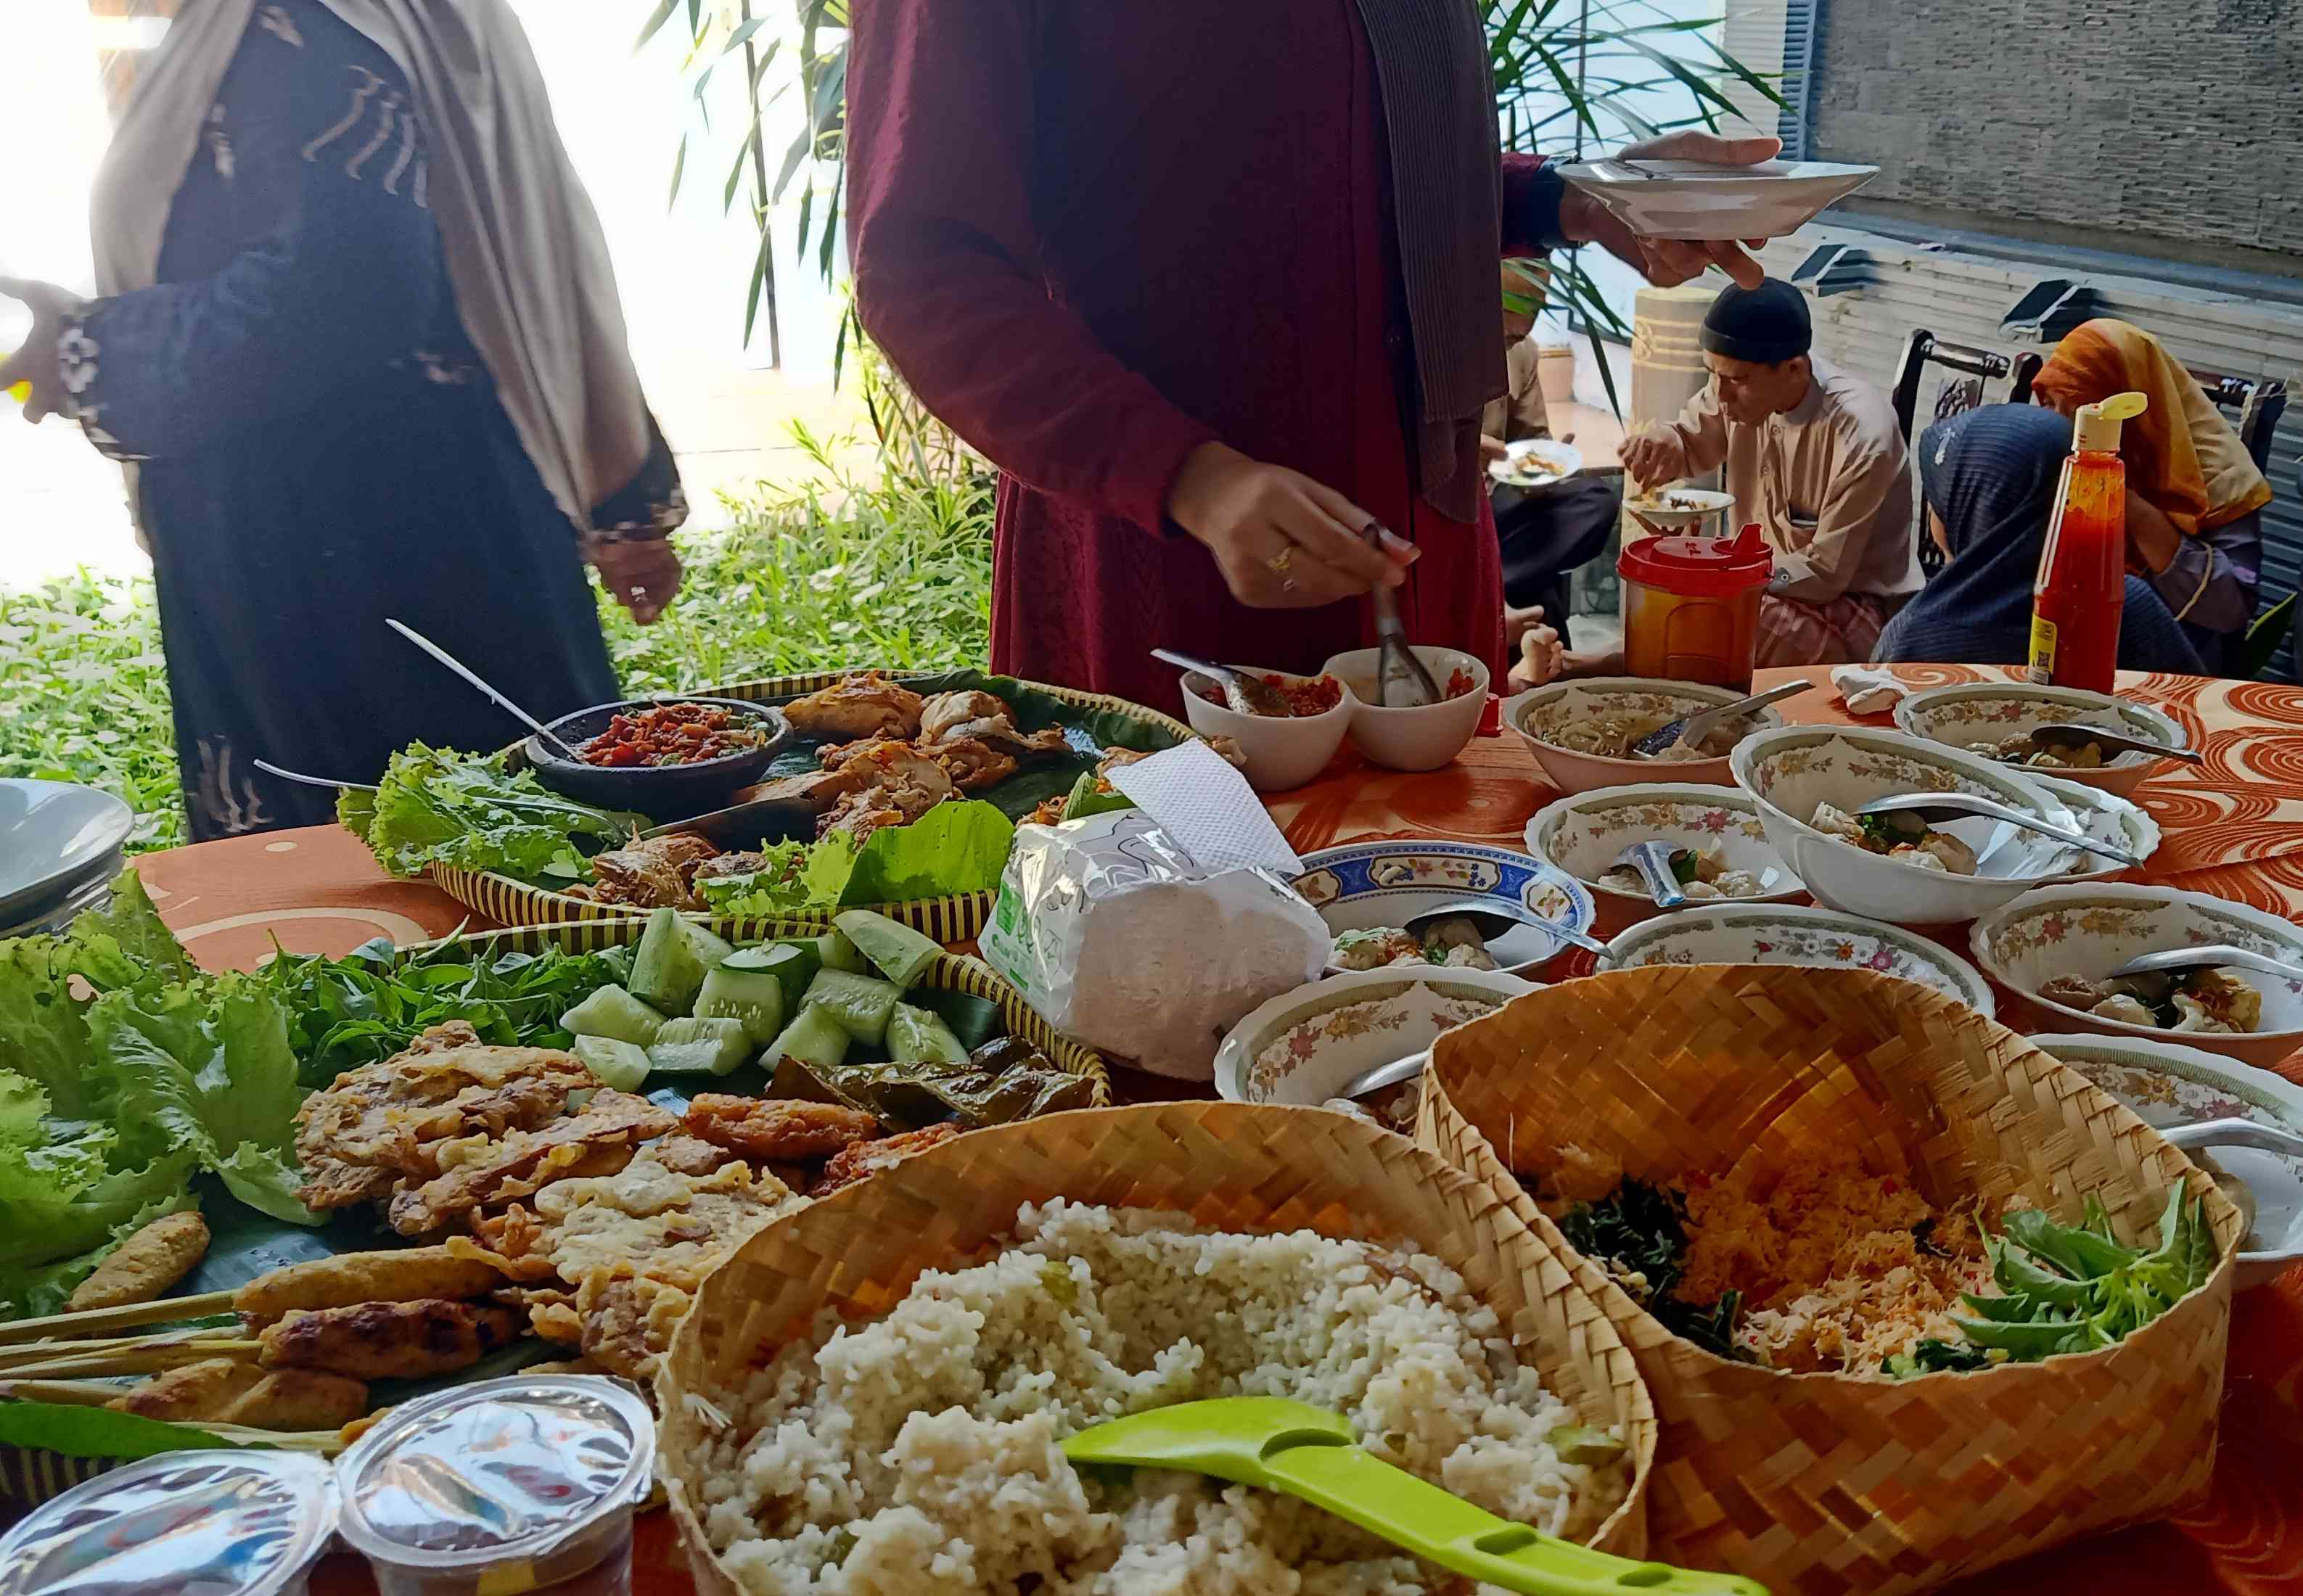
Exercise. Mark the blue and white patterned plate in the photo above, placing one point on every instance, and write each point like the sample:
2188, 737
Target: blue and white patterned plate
1362, 887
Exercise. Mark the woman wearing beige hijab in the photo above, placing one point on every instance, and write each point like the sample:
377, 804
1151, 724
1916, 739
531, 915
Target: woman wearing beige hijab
358, 341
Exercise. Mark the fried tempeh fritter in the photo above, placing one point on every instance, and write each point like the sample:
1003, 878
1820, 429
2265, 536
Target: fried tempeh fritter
225, 1391
351, 1279
144, 1266
382, 1124
489, 1173
777, 1129
390, 1340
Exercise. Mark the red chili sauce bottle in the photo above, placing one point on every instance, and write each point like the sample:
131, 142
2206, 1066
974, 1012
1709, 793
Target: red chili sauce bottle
2082, 582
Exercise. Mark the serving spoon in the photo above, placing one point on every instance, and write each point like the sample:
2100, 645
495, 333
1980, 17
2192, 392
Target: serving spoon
1932, 808
269, 769
1243, 692
2185, 959
475, 678
1652, 859
1693, 729
1491, 918
2072, 737
1400, 682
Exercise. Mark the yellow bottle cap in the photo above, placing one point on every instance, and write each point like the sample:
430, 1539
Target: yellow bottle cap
2097, 425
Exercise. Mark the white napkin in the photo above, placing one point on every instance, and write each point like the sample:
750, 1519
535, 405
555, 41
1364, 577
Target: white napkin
1867, 689
1207, 809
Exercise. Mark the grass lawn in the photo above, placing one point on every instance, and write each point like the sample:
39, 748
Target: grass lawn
894, 571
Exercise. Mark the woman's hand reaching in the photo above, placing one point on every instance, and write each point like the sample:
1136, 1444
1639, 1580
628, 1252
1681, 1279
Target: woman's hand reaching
642, 572
1281, 540
36, 362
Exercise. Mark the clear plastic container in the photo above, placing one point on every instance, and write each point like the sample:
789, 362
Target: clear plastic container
511, 1485
208, 1523
1692, 606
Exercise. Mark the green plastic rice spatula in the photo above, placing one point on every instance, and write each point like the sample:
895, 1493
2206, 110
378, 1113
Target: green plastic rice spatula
1308, 1452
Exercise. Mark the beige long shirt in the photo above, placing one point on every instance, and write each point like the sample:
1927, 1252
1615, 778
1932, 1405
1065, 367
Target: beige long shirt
1518, 411
1828, 481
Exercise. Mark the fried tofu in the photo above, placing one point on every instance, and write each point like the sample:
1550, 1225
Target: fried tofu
382, 1124
390, 1340
777, 1129
144, 1266
351, 1279
492, 1172
225, 1391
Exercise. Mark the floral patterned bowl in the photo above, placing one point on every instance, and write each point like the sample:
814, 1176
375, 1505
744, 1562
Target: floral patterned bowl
1542, 715
1302, 1046
2090, 929
2106, 817
1363, 886
1777, 934
1791, 769
1584, 834
2169, 1086
1986, 711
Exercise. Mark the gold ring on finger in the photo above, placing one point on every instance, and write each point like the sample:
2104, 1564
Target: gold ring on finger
1279, 564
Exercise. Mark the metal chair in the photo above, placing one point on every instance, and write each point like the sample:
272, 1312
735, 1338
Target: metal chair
1959, 394
2255, 405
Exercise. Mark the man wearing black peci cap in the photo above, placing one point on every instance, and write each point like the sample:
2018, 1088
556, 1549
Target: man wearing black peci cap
1814, 455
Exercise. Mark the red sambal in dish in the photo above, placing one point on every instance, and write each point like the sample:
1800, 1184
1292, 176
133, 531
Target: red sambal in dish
1462, 681
1316, 696
674, 734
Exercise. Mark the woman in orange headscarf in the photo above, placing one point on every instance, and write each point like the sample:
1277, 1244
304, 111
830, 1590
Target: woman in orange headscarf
2194, 496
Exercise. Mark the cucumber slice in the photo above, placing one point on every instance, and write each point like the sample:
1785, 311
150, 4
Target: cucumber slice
622, 1065
614, 1013
675, 954
839, 953
812, 1037
746, 993
713, 1047
899, 952
794, 964
860, 1002
914, 1036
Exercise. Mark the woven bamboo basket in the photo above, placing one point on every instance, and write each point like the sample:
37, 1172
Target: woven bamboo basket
1232, 1165
954, 919
1820, 1484
950, 972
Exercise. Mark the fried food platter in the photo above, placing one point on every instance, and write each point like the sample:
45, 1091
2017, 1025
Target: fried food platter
1061, 732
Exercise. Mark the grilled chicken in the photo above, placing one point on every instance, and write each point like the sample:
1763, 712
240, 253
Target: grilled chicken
656, 872
868, 705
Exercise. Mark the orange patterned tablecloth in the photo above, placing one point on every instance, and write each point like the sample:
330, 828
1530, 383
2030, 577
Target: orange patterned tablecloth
2234, 828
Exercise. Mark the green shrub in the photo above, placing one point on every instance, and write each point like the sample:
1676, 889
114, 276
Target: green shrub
884, 570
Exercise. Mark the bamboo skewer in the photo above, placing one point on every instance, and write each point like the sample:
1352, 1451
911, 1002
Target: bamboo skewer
163, 1311
146, 1360
77, 1393
12, 1357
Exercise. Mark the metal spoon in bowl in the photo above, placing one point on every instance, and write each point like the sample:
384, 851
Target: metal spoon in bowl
1244, 693
1932, 808
2182, 961
1368, 1083
1693, 729
498, 699
2074, 737
1652, 859
1401, 681
1492, 918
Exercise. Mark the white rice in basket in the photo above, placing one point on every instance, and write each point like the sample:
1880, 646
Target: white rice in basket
922, 1451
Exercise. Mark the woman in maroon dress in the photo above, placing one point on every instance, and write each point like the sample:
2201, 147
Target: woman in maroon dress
1214, 285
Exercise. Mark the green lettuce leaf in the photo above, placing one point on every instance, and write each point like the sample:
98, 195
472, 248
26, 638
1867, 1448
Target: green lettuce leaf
1088, 798
126, 944
435, 807
797, 877
49, 1249
207, 1071
43, 1032
956, 847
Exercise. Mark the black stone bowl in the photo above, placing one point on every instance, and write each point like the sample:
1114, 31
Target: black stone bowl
660, 791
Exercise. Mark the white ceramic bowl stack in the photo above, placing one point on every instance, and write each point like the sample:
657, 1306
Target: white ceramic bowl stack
1537, 716
61, 846
1583, 834
1751, 933
1422, 738
2090, 929
1988, 711
2167, 1085
1281, 751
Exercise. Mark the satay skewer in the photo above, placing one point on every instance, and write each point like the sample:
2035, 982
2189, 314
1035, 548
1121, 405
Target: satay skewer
35, 1352
163, 1310
146, 1360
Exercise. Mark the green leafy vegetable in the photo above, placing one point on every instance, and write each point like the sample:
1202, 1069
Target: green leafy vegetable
370, 1003
1934, 1356
798, 877
1640, 1236
435, 807
1092, 794
78, 1431
955, 847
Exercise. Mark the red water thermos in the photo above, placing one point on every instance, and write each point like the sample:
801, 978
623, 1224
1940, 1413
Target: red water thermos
2082, 582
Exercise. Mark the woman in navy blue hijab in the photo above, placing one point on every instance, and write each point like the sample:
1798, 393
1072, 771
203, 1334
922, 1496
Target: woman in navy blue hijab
1988, 478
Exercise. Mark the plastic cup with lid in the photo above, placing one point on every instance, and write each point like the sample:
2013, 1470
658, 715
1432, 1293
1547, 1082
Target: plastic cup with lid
512, 1485
214, 1522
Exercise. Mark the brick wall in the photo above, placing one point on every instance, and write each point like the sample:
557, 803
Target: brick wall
2178, 123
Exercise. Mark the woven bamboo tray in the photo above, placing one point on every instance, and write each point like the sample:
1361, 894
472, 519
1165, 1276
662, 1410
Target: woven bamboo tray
1818, 1484
950, 972
1233, 1165
512, 902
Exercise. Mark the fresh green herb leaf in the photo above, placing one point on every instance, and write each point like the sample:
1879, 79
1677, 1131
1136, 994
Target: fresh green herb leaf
436, 807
